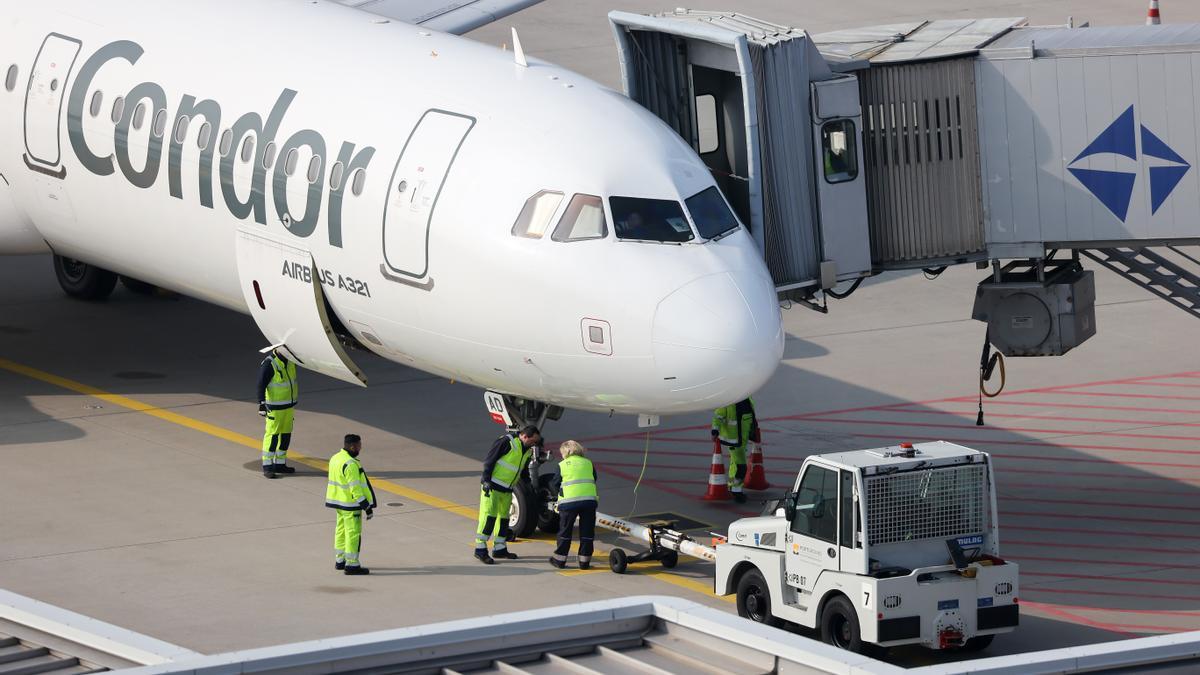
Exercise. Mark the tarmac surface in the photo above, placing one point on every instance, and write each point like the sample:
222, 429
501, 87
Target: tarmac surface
131, 489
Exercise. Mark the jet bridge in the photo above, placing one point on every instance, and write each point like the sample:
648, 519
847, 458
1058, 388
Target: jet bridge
931, 143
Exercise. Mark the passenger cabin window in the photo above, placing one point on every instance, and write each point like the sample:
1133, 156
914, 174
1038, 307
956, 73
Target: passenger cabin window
10, 80
817, 505
181, 129
97, 103
248, 149
160, 124
711, 214
118, 109
293, 159
535, 216
706, 124
336, 174
205, 136
583, 219
840, 151
139, 115
226, 142
269, 156
658, 220
314, 169
358, 182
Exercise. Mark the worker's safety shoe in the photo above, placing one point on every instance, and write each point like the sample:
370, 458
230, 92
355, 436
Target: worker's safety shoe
270, 473
739, 497
284, 468
557, 563
505, 554
339, 565
483, 557
356, 570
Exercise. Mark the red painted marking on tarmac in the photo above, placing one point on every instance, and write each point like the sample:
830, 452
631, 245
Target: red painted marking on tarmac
1104, 533
969, 416
1084, 502
1075, 618
1059, 545
1102, 577
1026, 589
1115, 563
1102, 394
1079, 516
1161, 612
1081, 406
1004, 484
1101, 532
970, 426
1041, 444
1098, 474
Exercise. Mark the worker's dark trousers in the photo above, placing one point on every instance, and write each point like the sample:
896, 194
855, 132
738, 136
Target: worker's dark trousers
585, 512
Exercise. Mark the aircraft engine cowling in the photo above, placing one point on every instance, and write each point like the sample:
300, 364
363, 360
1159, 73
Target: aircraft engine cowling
17, 233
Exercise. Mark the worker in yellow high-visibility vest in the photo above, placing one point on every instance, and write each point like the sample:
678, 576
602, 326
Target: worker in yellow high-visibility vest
577, 500
508, 458
349, 491
278, 394
735, 426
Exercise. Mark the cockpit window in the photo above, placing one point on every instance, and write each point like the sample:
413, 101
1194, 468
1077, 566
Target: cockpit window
583, 219
536, 215
710, 213
650, 219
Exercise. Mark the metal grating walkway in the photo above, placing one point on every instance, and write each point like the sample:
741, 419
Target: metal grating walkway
660, 651
20, 657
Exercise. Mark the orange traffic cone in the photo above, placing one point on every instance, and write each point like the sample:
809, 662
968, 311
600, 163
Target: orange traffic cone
756, 476
718, 481
1152, 17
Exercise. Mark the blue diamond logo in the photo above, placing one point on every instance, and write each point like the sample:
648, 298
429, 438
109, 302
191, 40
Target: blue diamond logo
1114, 189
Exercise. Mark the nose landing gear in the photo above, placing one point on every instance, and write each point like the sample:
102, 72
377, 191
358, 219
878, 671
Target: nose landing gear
533, 495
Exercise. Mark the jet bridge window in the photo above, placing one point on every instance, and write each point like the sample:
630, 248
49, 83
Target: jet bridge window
660, 220
583, 219
535, 216
817, 505
840, 151
711, 214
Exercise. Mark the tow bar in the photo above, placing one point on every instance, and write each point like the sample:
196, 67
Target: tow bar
666, 543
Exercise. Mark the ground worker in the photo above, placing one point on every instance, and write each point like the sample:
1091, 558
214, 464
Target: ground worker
502, 468
277, 394
577, 499
735, 426
350, 492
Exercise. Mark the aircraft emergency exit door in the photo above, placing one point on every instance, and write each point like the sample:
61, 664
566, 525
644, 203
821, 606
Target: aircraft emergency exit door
416, 184
44, 103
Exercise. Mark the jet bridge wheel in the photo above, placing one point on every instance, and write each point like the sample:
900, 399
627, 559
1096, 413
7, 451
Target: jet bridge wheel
83, 281
754, 599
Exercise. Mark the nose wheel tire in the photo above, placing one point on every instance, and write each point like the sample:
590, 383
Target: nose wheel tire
754, 599
83, 281
839, 625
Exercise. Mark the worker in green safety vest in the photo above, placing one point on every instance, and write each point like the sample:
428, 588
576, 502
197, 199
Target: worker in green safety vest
735, 426
277, 395
350, 492
502, 468
577, 500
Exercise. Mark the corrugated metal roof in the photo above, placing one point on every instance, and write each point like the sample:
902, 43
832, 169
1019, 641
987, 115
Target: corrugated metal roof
755, 29
917, 41
1108, 37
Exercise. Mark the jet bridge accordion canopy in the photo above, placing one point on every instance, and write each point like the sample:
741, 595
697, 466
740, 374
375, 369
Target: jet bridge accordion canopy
775, 65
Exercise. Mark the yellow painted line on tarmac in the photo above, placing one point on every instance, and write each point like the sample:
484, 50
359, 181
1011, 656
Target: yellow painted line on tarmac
320, 464
224, 434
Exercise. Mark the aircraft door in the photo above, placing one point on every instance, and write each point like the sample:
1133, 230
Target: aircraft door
282, 288
44, 103
416, 184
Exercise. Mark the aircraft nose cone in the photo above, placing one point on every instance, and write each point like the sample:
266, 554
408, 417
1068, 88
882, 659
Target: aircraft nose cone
719, 338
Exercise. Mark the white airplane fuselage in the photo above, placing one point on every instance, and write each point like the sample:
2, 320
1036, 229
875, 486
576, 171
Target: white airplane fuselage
426, 146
